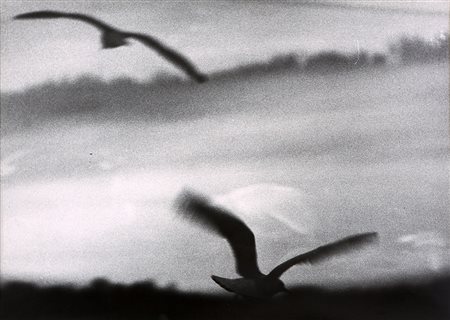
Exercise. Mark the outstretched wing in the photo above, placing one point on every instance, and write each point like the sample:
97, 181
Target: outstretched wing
326, 251
50, 14
219, 221
171, 55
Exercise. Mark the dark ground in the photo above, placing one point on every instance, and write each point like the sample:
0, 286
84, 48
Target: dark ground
425, 299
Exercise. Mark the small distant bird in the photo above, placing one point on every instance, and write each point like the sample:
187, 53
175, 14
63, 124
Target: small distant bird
112, 38
254, 283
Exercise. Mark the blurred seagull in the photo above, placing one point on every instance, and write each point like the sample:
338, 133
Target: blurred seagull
113, 38
254, 283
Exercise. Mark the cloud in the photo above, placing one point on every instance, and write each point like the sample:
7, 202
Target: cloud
8, 164
269, 208
423, 239
428, 249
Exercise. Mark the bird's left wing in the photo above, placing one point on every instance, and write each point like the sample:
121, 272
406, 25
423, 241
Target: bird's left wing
51, 14
218, 220
326, 251
170, 54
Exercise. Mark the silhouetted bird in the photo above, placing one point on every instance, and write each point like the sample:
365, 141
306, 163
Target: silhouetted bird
254, 283
113, 38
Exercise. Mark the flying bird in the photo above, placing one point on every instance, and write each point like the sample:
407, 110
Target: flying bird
254, 283
112, 38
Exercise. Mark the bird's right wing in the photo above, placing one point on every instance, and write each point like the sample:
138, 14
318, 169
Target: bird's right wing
326, 251
219, 221
170, 54
50, 14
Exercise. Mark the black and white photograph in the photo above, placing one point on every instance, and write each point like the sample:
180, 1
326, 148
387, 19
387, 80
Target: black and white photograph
229, 159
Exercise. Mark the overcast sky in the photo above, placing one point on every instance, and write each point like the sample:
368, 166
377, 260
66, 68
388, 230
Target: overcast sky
214, 35
303, 159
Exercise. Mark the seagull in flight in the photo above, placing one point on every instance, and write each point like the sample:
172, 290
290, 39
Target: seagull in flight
254, 283
112, 38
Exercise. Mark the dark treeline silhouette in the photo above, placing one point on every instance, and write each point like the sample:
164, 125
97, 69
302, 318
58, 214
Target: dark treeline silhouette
167, 97
413, 49
101, 299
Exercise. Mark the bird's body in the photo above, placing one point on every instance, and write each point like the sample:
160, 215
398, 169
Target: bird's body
254, 283
112, 37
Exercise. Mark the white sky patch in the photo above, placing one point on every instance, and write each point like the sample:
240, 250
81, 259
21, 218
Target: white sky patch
8, 164
70, 216
429, 247
288, 206
106, 165
424, 238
